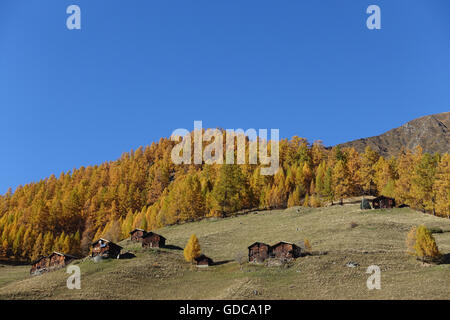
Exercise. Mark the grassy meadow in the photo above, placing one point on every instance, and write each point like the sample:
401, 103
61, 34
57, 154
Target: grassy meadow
338, 234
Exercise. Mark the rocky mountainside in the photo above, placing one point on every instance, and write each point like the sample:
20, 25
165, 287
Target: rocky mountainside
431, 132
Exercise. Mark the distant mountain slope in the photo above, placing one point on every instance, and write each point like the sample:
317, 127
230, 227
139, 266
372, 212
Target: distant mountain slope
431, 132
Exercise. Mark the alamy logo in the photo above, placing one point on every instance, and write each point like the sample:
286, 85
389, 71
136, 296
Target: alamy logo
374, 281
237, 140
374, 20
74, 20
74, 281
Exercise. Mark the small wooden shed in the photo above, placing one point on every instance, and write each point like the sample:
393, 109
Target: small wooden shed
58, 260
137, 235
39, 266
258, 252
383, 202
105, 248
286, 250
153, 240
203, 261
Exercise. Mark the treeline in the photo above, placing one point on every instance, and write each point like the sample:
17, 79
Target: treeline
144, 189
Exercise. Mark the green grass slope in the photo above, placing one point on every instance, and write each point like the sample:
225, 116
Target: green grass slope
378, 239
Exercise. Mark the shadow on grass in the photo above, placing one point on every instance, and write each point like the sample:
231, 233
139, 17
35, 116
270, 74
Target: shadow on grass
314, 253
172, 247
445, 259
218, 263
127, 255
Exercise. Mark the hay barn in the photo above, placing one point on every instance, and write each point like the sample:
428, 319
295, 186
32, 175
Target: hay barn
137, 235
258, 252
153, 240
286, 250
39, 266
105, 248
59, 260
54, 261
203, 261
383, 202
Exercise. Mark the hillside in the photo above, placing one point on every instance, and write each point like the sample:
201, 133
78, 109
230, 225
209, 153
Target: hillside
378, 238
145, 189
431, 132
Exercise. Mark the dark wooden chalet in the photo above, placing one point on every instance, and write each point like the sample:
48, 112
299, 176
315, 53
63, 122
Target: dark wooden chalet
258, 252
39, 266
59, 260
105, 248
203, 261
153, 240
137, 235
286, 250
54, 261
382, 202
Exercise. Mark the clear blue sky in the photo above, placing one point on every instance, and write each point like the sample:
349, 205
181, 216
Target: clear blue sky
140, 69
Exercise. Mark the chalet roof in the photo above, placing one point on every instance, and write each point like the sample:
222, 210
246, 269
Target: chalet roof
283, 242
62, 254
107, 241
382, 197
202, 257
137, 229
257, 242
150, 233
39, 259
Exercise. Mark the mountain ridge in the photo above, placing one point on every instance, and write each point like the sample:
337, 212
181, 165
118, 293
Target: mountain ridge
431, 132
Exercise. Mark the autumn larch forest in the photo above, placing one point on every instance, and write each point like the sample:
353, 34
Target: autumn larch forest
144, 189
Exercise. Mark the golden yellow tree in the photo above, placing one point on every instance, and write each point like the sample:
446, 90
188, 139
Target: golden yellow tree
314, 201
422, 182
193, 206
229, 189
317, 153
441, 187
411, 241
425, 245
112, 232
66, 248
48, 243
354, 167
306, 175
306, 201
192, 249
127, 225
341, 185
368, 160
294, 198
402, 190
28, 241
4, 248
382, 174
277, 196
38, 247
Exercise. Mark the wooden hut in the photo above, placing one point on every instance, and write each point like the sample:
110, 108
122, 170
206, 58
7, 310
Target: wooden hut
137, 235
203, 261
382, 202
39, 266
258, 252
105, 248
286, 250
59, 260
153, 240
